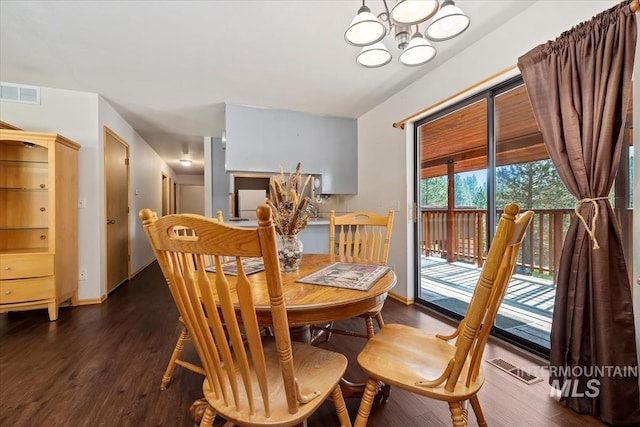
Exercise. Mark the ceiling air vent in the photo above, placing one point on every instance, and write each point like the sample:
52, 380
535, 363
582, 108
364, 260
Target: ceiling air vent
19, 93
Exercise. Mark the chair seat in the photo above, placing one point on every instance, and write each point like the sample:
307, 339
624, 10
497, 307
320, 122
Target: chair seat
401, 355
317, 370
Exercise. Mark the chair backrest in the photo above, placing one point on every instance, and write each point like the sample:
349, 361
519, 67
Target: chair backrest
185, 231
182, 231
473, 331
363, 235
226, 354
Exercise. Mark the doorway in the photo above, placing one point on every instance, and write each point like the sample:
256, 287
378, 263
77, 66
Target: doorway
169, 203
116, 172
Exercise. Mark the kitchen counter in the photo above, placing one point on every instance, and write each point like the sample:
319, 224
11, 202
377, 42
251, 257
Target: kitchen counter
254, 223
314, 238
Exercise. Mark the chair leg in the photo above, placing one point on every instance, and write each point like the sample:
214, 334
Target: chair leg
341, 409
174, 356
380, 320
208, 417
475, 405
365, 404
386, 388
457, 415
370, 331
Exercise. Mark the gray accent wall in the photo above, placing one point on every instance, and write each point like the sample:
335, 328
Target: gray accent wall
265, 140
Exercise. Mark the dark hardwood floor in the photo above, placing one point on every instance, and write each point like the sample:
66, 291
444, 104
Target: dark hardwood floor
101, 365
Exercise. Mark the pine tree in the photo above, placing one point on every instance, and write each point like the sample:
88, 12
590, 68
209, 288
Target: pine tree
532, 185
433, 191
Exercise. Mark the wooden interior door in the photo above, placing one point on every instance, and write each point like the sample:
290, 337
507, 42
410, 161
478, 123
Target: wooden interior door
116, 169
174, 203
166, 198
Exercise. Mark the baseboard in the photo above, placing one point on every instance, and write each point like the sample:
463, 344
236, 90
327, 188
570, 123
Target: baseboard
400, 298
103, 298
92, 301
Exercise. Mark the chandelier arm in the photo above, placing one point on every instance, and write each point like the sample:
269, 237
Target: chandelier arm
386, 8
386, 17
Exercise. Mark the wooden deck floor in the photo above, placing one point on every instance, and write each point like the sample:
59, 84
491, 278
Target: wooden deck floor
527, 308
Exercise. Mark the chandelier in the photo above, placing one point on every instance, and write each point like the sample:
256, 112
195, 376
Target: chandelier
367, 30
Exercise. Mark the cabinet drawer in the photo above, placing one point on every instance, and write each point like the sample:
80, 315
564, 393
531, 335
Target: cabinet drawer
12, 291
20, 266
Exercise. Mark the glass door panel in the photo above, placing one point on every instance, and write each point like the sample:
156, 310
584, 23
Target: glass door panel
452, 205
525, 175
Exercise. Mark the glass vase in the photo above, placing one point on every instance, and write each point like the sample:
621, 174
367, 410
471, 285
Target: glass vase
290, 253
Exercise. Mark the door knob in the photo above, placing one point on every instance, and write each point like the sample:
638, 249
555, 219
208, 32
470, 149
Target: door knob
111, 221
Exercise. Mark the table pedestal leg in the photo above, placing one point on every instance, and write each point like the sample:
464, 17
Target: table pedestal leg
300, 333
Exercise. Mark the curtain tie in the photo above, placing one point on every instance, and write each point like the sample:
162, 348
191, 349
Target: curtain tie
591, 230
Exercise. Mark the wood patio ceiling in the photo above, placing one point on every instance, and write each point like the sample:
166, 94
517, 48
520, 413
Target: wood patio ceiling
461, 137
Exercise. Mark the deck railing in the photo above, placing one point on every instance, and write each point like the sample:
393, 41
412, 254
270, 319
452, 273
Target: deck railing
540, 249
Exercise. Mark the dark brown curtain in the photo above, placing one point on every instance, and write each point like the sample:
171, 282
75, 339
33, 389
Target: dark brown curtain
579, 86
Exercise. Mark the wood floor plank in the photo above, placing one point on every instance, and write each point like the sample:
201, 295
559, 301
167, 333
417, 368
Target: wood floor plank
101, 365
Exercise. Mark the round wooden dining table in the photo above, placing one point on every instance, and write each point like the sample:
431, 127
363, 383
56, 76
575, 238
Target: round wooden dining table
309, 304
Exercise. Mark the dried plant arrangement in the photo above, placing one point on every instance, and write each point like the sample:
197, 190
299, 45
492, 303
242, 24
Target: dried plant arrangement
289, 208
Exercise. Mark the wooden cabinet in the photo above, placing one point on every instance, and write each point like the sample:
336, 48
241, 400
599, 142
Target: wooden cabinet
38, 221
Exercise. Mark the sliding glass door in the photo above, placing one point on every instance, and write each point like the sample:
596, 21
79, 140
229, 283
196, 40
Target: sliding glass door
472, 159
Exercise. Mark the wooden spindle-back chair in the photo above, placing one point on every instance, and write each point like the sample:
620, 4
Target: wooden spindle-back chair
365, 236
436, 366
250, 380
183, 338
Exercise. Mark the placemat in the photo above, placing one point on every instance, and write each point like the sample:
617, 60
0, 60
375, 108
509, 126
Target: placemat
347, 275
250, 266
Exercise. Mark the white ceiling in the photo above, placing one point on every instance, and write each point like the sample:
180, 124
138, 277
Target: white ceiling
168, 67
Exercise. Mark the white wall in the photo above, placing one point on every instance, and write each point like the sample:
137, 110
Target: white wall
80, 116
191, 199
75, 116
385, 154
190, 179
